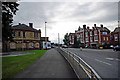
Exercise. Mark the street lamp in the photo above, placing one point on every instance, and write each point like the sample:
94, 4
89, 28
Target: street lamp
45, 36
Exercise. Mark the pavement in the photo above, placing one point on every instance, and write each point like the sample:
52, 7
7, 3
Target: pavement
51, 65
105, 62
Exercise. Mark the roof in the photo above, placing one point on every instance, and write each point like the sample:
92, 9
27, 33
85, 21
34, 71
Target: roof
117, 29
103, 29
70, 34
24, 27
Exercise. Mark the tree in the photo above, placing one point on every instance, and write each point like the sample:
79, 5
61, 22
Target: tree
8, 10
66, 39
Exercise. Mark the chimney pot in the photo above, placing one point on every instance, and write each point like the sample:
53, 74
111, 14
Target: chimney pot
94, 25
19, 23
101, 25
31, 25
88, 27
84, 26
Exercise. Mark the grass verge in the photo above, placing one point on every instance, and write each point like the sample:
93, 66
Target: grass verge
15, 64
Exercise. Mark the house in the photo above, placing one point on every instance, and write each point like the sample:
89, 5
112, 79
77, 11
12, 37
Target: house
115, 37
95, 37
25, 37
101, 36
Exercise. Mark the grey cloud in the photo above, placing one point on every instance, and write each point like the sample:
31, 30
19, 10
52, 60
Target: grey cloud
37, 12
88, 11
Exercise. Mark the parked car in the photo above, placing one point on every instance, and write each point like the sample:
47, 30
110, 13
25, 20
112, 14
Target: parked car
116, 48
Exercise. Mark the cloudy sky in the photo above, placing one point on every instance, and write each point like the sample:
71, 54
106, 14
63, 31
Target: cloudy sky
66, 17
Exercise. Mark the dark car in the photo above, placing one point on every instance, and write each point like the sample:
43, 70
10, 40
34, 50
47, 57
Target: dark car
116, 48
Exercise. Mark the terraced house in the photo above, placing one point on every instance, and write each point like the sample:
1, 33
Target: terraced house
25, 37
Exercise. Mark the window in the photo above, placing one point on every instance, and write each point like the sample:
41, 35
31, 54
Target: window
91, 33
104, 33
95, 32
86, 39
104, 38
107, 38
86, 34
13, 34
23, 34
36, 35
116, 37
96, 38
91, 39
19, 34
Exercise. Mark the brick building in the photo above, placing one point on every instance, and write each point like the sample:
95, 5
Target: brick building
25, 37
71, 39
80, 35
101, 36
115, 37
95, 37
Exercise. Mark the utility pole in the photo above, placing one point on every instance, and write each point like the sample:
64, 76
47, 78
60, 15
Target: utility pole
119, 32
58, 40
45, 37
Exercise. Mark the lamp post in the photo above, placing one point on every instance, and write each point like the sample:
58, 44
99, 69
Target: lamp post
119, 32
58, 41
45, 36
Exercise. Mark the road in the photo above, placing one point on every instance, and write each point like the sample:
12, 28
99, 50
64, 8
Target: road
105, 62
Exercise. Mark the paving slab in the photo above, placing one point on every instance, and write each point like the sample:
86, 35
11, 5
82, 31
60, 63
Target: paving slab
50, 65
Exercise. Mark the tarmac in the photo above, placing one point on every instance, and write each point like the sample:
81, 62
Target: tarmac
51, 65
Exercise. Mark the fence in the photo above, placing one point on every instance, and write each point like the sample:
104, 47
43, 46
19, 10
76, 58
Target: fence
81, 68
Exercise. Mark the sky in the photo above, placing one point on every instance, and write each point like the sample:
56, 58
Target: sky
64, 17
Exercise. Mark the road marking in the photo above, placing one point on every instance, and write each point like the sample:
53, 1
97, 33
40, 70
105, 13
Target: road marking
113, 59
110, 59
103, 62
117, 59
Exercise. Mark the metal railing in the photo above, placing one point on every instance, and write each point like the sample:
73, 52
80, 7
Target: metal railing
81, 68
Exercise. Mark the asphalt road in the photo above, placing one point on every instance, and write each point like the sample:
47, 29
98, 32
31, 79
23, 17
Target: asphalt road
105, 62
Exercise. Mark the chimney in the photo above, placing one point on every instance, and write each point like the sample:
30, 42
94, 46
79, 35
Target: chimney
19, 23
84, 26
101, 25
88, 27
94, 25
31, 25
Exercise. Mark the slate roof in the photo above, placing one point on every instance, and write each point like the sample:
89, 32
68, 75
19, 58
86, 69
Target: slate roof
103, 29
117, 29
24, 27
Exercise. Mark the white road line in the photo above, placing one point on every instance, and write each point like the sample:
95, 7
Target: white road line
103, 62
110, 58
115, 59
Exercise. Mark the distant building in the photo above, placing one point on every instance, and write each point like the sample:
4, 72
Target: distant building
115, 37
80, 35
45, 43
71, 39
44, 39
93, 37
101, 36
25, 37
